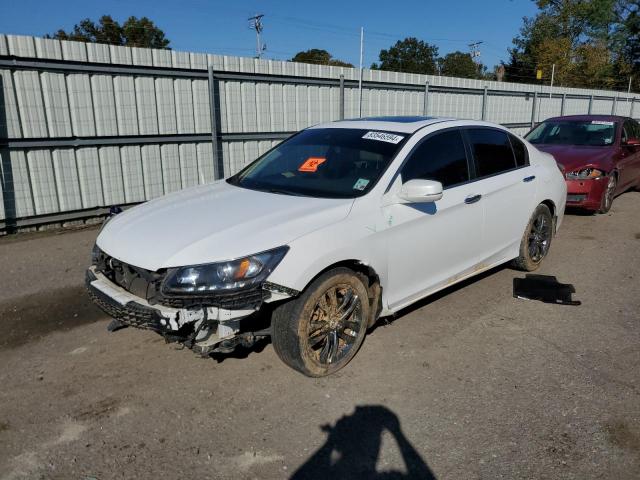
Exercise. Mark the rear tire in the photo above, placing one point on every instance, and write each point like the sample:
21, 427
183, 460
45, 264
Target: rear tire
319, 332
608, 194
536, 240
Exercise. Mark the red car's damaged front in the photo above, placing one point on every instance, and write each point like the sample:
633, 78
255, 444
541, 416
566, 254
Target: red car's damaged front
585, 170
598, 155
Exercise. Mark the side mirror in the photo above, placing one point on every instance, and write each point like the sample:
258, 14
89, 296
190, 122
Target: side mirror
632, 142
421, 191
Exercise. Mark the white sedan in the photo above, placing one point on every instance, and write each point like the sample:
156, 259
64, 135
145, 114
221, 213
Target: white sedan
338, 225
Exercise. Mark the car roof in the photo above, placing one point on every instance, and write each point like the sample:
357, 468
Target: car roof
606, 118
404, 124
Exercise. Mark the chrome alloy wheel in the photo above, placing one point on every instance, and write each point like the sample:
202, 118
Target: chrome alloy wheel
609, 193
539, 238
336, 321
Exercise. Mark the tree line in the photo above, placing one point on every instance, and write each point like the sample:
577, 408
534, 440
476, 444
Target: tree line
592, 43
586, 43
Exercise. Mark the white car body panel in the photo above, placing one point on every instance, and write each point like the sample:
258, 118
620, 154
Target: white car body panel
213, 223
415, 249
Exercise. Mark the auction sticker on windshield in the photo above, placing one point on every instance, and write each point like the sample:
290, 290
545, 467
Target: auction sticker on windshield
311, 164
383, 137
601, 122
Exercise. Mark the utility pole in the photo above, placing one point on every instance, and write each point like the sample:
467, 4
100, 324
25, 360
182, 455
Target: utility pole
475, 53
256, 24
629, 89
360, 80
553, 72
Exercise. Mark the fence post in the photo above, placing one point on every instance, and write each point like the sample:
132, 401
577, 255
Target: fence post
484, 103
214, 106
590, 104
425, 106
533, 109
633, 101
564, 99
341, 97
615, 104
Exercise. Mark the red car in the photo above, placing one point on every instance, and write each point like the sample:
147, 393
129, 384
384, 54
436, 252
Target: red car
599, 155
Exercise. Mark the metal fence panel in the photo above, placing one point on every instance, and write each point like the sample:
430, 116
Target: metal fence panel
166, 104
30, 103
54, 93
170, 168
81, 105
105, 108
89, 177
9, 117
132, 175
125, 102
152, 171
188, 165
146, 106
184, 106
66, 179
91, 125
111, 175
42, 182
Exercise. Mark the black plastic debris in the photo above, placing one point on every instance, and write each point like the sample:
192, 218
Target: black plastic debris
116, 325
544, 288
114, 210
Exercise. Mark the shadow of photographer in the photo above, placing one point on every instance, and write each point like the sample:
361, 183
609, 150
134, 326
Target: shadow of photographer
353, 446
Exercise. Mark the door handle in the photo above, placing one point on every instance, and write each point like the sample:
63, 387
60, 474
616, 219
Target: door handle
529, 179
472, 199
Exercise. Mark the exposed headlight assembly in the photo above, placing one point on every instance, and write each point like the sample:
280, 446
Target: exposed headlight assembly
219, 277
585, 173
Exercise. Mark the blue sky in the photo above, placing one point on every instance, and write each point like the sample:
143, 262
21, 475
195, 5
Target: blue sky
290, 26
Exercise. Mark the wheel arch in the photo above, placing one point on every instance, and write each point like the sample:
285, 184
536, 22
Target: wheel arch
550, 204
369, 277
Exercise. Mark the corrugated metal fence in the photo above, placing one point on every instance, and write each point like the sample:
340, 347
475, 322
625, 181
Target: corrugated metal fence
85, 126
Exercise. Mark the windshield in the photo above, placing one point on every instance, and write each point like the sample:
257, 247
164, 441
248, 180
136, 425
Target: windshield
323, 162
596, 133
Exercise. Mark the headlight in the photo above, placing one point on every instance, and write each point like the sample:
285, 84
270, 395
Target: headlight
224, 276
585, 173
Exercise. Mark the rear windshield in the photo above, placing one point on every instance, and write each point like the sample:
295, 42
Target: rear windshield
323, 162
596, 133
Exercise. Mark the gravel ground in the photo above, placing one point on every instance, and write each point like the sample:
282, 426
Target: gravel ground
471, 383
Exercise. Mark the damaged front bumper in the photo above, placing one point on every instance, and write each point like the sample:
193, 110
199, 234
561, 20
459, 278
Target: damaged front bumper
205, 329
586, 193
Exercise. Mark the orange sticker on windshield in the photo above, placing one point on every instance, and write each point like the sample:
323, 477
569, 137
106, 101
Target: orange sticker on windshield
311, 164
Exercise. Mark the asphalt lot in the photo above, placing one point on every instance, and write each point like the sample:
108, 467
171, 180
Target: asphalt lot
472, 383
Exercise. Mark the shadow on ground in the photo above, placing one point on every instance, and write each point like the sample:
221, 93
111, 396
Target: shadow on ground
31, 317
353, 446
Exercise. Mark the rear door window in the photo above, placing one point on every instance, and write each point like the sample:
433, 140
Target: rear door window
440, 157
519, 150
629, 130
491, 150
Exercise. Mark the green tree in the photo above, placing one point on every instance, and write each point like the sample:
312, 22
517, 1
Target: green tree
410, 56
626, 41
459, 64
577, 36
318, 57
135, 32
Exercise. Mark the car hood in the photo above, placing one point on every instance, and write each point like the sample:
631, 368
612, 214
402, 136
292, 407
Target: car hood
212, 223
573, 157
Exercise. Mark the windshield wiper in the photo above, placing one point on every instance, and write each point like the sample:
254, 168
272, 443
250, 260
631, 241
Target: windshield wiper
282, 191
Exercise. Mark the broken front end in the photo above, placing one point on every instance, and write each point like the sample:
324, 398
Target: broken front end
208, 308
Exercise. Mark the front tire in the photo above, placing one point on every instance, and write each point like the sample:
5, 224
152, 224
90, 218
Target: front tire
609, 193
319, 332
536, 240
